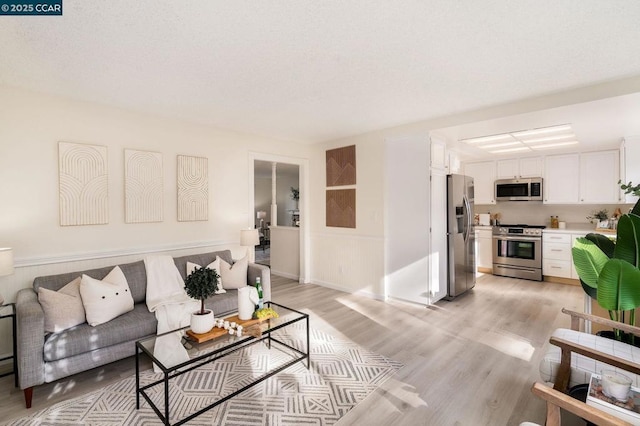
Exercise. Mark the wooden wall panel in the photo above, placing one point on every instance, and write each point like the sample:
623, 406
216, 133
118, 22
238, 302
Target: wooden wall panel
341, 166
341, 208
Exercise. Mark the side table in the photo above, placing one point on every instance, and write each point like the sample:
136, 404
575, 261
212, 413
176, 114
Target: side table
11, 307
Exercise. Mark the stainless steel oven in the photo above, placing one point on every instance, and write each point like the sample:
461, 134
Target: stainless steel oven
517, 251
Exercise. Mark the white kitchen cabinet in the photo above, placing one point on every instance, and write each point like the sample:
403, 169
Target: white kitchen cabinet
562, 179
484, 250
438, 154
515, 168
531, 167
484, 176
556, 255
599, 175
631, 155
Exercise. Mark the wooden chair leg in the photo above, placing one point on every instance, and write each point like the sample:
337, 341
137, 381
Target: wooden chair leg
553, 415
564, 372
28, 396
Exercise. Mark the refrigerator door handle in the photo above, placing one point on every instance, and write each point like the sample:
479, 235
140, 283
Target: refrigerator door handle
467, 214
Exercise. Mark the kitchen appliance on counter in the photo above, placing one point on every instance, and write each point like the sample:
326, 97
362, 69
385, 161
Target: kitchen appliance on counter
528, 189
517, 251
461, 240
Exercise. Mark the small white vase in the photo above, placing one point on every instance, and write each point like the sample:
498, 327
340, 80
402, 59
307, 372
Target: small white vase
201, 324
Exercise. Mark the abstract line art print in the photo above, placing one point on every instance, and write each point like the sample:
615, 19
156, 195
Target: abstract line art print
84, 184
193, 188
143, 179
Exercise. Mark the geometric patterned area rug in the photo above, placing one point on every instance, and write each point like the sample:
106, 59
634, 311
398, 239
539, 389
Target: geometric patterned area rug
341, 375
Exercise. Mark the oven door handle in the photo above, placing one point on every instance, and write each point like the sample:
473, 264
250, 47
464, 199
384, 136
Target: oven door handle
499, 237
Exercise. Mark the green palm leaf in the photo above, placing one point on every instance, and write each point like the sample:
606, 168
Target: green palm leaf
605, 244
619, 286
589, 260
628, 241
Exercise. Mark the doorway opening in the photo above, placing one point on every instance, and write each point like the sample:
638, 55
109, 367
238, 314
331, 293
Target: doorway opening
278, 201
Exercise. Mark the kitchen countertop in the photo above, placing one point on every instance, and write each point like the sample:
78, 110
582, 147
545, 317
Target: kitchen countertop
579, 228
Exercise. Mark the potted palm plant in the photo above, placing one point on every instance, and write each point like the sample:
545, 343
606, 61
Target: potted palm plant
201, 284
610, 271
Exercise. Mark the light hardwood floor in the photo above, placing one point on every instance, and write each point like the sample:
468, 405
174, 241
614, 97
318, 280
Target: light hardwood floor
471, 361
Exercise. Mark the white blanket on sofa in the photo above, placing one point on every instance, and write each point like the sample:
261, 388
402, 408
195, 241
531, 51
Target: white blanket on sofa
167, 298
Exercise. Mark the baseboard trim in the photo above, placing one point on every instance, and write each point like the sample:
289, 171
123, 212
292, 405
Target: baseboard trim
560, 280
75, 257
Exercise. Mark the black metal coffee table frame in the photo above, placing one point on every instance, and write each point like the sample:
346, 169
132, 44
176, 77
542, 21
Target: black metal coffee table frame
234, 345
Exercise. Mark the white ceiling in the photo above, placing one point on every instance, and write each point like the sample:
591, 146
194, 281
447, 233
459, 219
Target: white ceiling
309, 70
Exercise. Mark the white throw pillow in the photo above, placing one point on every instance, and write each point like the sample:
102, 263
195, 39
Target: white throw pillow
63, 308
106, 299
234, 276
213, 265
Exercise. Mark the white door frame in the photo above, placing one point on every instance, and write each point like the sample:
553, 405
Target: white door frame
303, 206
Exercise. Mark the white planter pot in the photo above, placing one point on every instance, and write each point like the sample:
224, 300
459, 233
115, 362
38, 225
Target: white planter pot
202, 323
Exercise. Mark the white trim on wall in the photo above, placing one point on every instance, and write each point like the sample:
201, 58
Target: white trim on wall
76, 257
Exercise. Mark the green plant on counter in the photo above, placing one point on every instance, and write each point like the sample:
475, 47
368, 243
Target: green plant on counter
610, 271
600, 215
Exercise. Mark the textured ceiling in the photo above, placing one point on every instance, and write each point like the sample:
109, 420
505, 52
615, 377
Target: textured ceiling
317, 70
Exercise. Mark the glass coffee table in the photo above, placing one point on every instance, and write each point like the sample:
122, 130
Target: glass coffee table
270, 332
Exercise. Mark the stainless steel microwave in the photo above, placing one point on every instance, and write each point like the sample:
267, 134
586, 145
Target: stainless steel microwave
526, 189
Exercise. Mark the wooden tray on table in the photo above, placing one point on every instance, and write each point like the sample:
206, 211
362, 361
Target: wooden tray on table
216, 332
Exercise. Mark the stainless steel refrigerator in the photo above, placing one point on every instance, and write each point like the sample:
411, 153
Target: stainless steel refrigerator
461, 240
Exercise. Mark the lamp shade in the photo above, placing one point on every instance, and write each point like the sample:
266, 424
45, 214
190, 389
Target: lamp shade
6, 261
249, 237
261, 215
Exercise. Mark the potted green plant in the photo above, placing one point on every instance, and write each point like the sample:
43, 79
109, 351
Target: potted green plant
601, 217
610, 271
201, 284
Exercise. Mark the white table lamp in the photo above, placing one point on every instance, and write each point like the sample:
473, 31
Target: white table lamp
249, 238
6, 265
262, 215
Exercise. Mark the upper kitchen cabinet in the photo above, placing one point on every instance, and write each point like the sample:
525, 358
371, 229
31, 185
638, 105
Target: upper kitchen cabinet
587, 178
631, 155
484, 176
442, 158
599, 175
562, 179
438, 154
519, 168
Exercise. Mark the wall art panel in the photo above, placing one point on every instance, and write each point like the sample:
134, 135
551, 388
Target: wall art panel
84, 184
193, 188
341, 208
341, 166
143, 186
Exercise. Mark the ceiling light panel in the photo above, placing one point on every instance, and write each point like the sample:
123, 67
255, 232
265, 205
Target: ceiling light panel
542, 131
492, 138
525, 140
554, 145
550, 138
501, 151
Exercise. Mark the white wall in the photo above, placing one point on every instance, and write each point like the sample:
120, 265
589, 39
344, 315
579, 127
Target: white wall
407, 218
32, 124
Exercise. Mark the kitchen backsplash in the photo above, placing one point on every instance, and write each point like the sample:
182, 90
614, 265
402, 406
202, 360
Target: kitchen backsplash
534, 213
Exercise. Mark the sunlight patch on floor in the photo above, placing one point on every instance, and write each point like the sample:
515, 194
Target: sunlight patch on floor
508, 345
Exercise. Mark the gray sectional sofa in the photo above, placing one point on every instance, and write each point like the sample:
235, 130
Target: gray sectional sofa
46, 357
